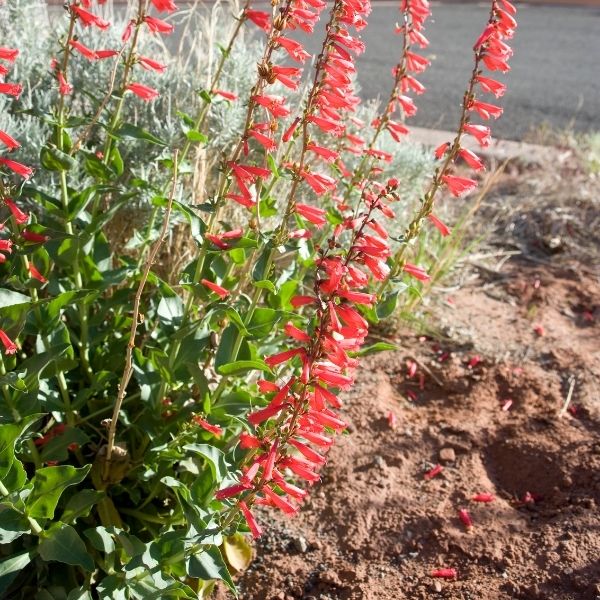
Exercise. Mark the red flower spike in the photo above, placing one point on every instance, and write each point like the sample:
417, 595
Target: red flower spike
433, 472
9, 346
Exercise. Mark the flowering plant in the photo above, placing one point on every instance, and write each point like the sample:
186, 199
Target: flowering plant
146, 412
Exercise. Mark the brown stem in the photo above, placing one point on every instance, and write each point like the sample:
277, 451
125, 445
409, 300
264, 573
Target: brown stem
128, 370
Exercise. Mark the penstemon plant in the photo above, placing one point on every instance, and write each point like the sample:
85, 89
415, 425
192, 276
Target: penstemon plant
145, 414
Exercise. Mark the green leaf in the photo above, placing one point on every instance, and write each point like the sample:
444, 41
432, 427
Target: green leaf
137, 133
196, 136
53, 159
13, 524
241, 366
101, 538
387, 306
48, 485
10, 567
170, 310
116, 161
262, 322
214, 456
378, 347
10, 298
80, 505
265, 284
209, 564
261, 269
9, 434
63, 544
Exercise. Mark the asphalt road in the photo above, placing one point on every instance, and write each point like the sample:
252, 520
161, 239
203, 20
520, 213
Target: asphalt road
555, 75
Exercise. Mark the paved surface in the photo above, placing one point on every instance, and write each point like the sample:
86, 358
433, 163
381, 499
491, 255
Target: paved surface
555, 74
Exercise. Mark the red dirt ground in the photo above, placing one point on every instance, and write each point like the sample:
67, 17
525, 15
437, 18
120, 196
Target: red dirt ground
375, 528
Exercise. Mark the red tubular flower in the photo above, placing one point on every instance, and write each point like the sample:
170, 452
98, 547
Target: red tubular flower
441, 150
486, 110
87, 18
151, 65
9, 54
296, 333
273, 104
6, 246
311, 213
416, 272
143, 91
18, 215
32, 236
164, 5
9, 141
158, 26
9, 346
64, 88
11, 89
259, 416
36, 274
439, 225
248, 440
232, 490
214, 429
459, 186
84, 50
491, 86
282, 357
217, 289
294, 49
260, 18
224, 94
250, 520
480, 133
16, 167
471, 159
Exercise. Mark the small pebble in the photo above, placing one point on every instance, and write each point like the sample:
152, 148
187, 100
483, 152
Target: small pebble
447, 454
